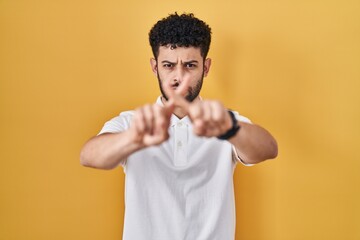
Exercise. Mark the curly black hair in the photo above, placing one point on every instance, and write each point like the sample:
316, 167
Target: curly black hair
180, 31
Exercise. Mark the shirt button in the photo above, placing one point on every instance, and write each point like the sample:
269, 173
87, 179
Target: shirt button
179, 143
179, 124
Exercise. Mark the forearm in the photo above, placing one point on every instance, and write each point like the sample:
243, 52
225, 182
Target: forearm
106, 151
254, 144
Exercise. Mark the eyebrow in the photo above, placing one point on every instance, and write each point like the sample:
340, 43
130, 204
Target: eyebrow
187, 62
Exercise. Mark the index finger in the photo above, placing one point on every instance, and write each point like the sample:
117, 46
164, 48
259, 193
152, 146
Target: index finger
176, 96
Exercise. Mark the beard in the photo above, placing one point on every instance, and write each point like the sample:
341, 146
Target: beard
193, 92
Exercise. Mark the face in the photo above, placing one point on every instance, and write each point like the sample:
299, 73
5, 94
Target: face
181, 64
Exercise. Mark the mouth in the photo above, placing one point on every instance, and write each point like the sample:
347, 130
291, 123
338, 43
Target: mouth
175, 85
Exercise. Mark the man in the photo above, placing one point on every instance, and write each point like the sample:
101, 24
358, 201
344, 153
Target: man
179, 153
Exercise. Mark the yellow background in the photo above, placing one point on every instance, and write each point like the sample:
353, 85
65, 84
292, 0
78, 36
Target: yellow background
291, 66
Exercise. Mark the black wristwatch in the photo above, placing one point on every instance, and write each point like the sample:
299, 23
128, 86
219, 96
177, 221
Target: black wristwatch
232, 131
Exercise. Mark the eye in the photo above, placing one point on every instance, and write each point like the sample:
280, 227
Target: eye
167, 65
190, 65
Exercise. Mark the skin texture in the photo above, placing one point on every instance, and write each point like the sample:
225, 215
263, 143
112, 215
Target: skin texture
180, 72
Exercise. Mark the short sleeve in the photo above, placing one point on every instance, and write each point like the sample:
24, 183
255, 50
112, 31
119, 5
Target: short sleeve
118, 124
241, 118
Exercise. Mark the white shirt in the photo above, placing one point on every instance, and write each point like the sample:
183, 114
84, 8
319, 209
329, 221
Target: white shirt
181, 189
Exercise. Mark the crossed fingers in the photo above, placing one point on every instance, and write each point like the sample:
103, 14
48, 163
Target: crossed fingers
175, 97
151, 122
209, 118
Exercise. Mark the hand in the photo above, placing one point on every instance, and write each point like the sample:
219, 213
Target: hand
150, 124
209, 118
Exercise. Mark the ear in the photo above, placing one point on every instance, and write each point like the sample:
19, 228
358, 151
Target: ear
207, 64
154, 67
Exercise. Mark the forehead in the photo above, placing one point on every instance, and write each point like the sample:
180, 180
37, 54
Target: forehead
179, 53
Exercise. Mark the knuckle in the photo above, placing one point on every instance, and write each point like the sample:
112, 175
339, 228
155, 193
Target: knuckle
217, 117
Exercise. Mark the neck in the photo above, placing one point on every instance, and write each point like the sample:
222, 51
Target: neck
179, 112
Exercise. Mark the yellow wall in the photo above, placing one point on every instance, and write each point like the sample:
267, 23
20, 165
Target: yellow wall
68, 66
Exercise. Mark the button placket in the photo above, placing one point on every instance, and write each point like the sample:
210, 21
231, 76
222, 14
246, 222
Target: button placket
180, 158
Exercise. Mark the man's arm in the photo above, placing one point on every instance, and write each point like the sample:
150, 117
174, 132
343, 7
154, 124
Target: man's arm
107, 150
149, 127
211, 119
254, 144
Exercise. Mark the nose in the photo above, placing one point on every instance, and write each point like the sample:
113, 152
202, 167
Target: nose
179, 74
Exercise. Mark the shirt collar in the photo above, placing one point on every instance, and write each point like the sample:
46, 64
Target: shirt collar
174, 119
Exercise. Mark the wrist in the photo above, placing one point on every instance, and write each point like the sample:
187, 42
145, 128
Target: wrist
134, 140
235, 127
